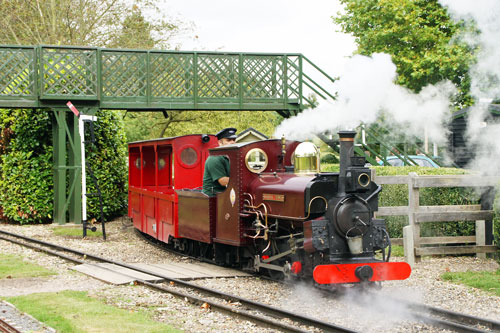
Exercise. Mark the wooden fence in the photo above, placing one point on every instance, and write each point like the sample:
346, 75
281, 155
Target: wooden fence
416, 246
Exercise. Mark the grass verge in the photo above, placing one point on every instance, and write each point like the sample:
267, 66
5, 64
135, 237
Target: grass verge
396, 251
75, 311
487, 281
12, 266
76, 232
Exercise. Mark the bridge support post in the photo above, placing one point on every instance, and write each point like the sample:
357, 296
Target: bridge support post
59, 126
67, 158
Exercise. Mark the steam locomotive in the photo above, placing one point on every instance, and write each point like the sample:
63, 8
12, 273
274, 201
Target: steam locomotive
278, 215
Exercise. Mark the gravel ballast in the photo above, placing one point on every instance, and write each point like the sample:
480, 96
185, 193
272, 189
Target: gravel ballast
352, 309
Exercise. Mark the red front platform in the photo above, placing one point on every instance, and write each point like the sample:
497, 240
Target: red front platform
344, 273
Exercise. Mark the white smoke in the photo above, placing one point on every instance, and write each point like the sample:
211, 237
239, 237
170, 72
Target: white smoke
486, 72
366, 89
485, 78
355, 308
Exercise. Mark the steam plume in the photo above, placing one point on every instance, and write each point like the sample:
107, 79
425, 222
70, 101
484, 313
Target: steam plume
485, 79
365, 90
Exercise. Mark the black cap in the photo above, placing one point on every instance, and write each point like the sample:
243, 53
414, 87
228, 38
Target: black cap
228, 133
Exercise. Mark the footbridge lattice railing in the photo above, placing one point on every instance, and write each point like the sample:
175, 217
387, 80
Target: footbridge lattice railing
43, 76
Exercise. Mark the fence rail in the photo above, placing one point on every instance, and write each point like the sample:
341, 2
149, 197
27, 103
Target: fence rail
417, 246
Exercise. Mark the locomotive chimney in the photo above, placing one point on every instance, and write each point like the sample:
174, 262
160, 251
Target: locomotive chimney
346, 149
346, 152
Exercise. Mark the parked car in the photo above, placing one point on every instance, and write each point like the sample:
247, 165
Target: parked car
421, 160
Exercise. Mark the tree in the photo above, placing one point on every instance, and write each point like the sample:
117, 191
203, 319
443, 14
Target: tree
135, 32
420, 37
99, 23
26, 181
149, 125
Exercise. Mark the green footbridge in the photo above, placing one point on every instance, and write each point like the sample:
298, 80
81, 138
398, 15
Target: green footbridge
47, 77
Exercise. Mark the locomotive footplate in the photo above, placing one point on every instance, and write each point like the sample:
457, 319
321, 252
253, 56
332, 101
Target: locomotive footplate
351, 273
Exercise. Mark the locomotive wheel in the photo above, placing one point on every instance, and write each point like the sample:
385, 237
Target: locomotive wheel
273, 275
274, 249
206, 251
190, 248
183, 246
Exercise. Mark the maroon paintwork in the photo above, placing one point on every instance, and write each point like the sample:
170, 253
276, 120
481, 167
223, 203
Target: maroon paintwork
230, 224
196, 216
156, 169
293, 204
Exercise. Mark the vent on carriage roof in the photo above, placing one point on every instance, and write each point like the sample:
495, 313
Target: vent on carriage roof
250, 135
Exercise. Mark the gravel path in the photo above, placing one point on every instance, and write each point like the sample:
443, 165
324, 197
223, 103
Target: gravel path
378, 315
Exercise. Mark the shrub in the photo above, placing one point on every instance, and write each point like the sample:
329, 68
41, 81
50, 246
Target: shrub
329, 159
26, 160
26, 178
108, 161
325, 167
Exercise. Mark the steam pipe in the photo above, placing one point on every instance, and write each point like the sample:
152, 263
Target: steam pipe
379, 188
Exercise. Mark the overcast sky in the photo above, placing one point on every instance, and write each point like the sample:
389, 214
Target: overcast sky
281, 26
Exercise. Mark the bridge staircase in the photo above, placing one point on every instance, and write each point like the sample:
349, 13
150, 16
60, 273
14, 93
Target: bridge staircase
375, 147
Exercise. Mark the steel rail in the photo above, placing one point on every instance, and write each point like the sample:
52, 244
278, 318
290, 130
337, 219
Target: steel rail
458, 322
274, 312
7, 328
459, 318
446, 324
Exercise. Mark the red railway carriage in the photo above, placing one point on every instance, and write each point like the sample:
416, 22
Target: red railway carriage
156, 169
278, 214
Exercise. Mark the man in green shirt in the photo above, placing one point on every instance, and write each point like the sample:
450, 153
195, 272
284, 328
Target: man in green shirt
216, 176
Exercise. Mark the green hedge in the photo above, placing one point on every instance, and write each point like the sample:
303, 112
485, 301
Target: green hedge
26, 160
329, 158
397, 195
26, 181
108, 159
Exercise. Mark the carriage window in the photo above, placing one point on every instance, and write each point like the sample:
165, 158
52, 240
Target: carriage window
137, 163
256, 160
161, 163
189, 156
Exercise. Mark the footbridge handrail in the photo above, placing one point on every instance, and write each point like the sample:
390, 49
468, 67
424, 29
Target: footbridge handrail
47, 76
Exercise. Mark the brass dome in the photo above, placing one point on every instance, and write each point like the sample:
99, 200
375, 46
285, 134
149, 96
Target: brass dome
306, 158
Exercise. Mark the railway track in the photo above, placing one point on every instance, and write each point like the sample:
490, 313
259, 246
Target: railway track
7, 328
266, 316
430, 315
453, 320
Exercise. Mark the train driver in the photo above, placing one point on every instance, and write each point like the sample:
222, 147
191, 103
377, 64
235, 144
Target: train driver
216, 176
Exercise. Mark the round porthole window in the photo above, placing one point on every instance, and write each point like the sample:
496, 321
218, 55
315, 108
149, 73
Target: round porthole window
189, 156
256, 160
161, 163
137, 163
